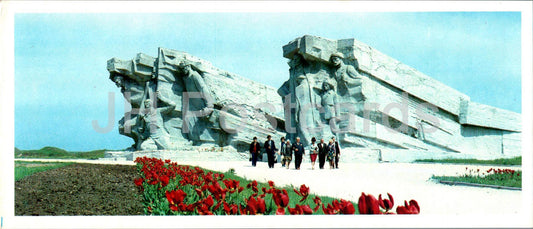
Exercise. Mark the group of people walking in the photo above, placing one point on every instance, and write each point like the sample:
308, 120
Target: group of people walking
322, 151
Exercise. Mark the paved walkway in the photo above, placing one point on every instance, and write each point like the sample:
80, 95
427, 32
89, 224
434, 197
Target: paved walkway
403, 180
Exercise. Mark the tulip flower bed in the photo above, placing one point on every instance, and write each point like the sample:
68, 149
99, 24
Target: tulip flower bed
172, 189
492, 176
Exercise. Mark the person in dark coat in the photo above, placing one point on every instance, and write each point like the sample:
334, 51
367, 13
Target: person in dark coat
282, 152
331, 154
270, 148
298, 149
287, 153
337, 152
322, 151
255, 149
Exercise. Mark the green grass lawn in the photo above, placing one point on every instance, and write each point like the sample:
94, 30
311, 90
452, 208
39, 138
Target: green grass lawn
57, 153
24, 169
505, 179
502, 161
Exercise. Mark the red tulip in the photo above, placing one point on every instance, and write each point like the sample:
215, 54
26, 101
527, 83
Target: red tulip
209, 201
306, 209
281, 198
231, 185
280, 211
386, 204
253, 185
230, 209
173, 207
318, 202
255, 206
139, 181
261, 205
329, 210
175, 197
164, 180
295, 211
346, 207
203, 210
271, 183
217, 191
300, 210
219, 176
368, 204
208, 178
199, 192
411, 208
304, 192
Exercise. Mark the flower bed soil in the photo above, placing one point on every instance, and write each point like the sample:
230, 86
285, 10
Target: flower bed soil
80, 189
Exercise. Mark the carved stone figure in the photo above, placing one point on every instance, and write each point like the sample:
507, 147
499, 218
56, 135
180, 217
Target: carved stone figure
329, 101
198, 100
348, 79
306, 113
135, 92
154, 135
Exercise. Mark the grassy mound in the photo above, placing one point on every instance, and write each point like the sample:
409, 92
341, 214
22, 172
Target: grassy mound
49, 152
24, 169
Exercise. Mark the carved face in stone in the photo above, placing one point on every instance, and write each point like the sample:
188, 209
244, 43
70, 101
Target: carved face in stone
119, 80
147, 104
186, 69
337, 61
327, 86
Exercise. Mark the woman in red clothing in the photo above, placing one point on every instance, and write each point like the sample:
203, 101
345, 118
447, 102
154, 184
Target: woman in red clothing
313, 151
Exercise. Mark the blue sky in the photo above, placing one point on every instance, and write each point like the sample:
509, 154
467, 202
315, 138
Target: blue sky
61, 81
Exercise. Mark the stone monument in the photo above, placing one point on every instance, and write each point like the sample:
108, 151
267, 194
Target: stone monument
347, 89
344, 88
179, 101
